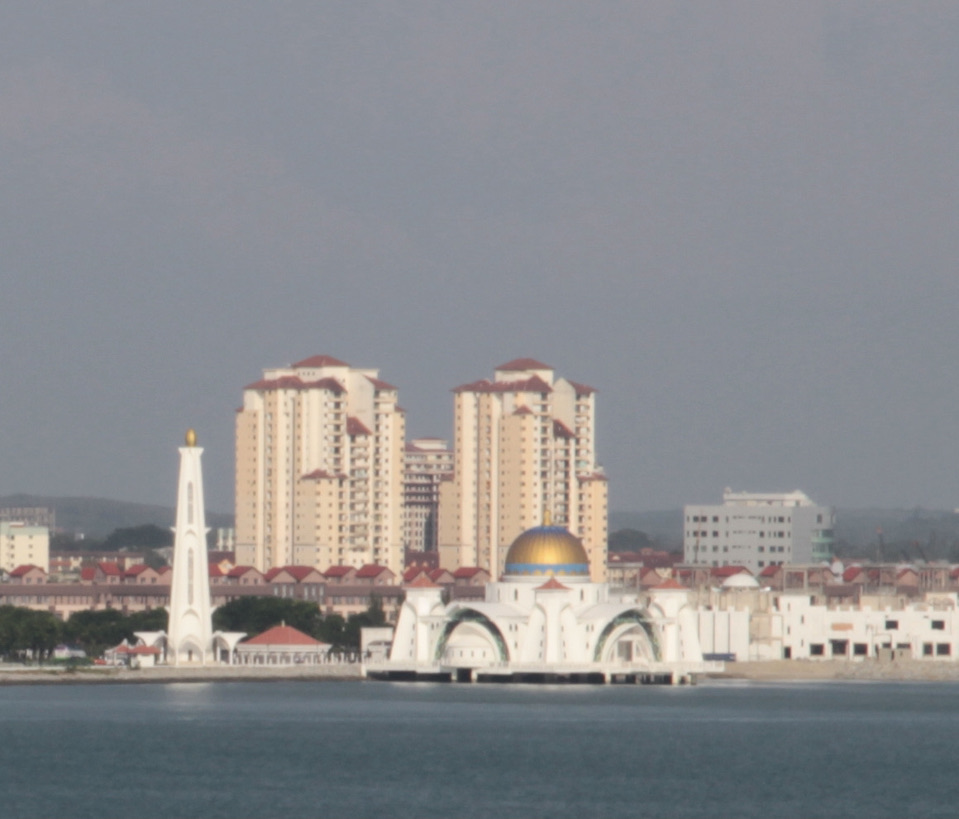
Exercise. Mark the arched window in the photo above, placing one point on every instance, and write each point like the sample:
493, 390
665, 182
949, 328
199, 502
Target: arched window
189, 502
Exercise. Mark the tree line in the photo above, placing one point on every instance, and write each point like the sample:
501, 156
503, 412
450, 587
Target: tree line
29, 634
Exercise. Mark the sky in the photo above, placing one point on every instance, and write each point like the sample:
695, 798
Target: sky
737, 221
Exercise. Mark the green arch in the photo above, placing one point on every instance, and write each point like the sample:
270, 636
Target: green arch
472, 616
636, 617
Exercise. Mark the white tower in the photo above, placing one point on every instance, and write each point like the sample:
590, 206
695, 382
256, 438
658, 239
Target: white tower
190, 627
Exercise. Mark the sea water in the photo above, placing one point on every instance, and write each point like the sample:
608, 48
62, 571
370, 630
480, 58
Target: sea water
338, 749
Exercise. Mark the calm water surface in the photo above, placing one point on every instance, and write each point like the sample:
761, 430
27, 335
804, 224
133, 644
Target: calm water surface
422, 750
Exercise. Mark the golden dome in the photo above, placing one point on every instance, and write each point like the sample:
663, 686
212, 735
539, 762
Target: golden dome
191, 437
547, 550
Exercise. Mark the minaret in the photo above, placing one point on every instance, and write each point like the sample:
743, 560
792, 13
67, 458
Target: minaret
190, 628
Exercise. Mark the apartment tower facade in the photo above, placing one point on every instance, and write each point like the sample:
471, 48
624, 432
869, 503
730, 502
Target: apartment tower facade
428, 462
319, 468
525, 452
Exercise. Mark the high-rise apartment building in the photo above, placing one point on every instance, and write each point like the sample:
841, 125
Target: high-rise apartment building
428, 462
22, 545
758, 529
319, 468
525, 451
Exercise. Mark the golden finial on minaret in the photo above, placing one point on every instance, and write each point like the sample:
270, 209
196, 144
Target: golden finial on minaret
191, 437
547, 518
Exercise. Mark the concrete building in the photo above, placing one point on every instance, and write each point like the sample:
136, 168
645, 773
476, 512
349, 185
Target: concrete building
22, 544
758, 529
525, 447
319, 468
427, 462
544, 621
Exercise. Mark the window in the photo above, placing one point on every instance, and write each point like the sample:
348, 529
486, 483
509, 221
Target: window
816, 650
892, 625
860, 649
927, 649
943, 649
939, 625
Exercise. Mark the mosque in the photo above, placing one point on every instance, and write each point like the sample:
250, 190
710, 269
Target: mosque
544, 621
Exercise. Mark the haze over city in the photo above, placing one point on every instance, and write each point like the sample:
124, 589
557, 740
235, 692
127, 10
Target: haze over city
737, 221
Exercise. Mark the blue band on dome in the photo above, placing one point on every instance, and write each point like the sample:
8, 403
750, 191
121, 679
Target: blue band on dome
542, 568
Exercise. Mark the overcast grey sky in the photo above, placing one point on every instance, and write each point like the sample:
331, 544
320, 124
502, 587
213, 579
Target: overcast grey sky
738, 221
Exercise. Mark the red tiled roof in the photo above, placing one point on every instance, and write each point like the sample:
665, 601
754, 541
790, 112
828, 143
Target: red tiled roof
214, 571
121, 649
769, 571
338, 571
670, 584
322, 475
291, 382
354, 426
298, 573
320, 361
560, 430
380, 384
851, 573
581, 389
552, 585
164, 570
728, 571
282, 636
595, 476
518, 364
88, 572
111, 569
522, 410
438, 573
412, 572
239, 571
534, 384
20, 571
134, 571
422, 582
371, 570
271, 573
467, 571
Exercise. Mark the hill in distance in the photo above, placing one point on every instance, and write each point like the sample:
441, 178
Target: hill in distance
98, 517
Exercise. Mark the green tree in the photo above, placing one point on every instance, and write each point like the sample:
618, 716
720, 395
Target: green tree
373, 616
147, 536
255, 615
96, 631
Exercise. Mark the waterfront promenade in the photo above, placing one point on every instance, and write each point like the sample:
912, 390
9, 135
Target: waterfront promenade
766, 671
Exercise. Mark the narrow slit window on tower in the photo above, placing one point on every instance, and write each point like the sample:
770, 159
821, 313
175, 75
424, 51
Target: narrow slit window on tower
189, 502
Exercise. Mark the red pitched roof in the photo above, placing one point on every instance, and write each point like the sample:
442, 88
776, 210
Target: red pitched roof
88, 572
122, 649
110, 569
298, 573
413, 572
320, 361
380, 384
291, 382
560, 430
438, 573
467, 571
518, 364
354, 426
322, 474
851, 573
214, 571
728, 571
422, 582
282, 636
769, 571
371, 570
670, 584
134, 571
20, 571
239, 571
338, 571
534, 384
522, 410
552, 585
581, 389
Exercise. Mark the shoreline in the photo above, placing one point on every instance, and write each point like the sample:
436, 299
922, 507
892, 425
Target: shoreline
769, 671
32, 675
